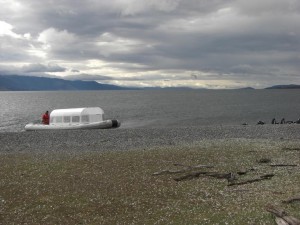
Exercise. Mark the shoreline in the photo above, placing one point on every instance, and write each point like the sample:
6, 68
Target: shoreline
138, 138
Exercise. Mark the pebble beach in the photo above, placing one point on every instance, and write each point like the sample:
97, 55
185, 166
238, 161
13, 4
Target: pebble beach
140, 138
107, 176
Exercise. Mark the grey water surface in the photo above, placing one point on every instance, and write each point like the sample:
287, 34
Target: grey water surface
156, 108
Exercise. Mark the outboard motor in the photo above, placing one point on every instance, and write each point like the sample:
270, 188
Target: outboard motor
115, 123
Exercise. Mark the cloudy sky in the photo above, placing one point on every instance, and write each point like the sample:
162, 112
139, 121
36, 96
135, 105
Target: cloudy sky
194, 43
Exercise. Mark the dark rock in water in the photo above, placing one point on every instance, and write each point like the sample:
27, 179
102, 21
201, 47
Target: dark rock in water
260, 123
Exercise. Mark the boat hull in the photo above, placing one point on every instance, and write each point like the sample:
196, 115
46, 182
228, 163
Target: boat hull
106, 124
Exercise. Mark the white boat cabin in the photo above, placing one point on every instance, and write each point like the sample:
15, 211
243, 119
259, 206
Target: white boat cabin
76, 116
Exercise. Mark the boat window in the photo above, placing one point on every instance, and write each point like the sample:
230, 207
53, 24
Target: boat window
67, 119
85, 119
96, 118
52, 119
75, 119
58, 119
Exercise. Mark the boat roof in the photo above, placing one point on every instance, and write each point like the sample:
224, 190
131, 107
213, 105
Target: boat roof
77, 111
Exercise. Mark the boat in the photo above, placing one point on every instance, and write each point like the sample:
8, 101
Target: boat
75, 118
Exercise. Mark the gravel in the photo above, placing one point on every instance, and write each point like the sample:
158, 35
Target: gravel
140, 138
41, 186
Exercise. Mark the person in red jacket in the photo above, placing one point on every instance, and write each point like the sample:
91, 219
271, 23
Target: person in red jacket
46, 118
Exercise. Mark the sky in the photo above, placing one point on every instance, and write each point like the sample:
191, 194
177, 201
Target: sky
212, 44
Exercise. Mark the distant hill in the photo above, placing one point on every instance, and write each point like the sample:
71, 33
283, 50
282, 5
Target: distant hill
168, 88
288, 86
30, 83
246, 88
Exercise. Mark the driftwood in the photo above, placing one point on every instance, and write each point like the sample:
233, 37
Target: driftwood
283, 165
280, 221
228, 176
291, 149
193, 167
276, 211
263, 177
282, 218
293, 199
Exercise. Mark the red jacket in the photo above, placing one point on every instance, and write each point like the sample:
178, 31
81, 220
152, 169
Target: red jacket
46, 118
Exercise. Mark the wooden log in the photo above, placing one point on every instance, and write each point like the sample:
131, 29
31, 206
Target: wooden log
283, 165
193, 167
263, 177
284, 217
280, 221
228, 176
291, 220
293, 199
291, 149
267, 176
275, 210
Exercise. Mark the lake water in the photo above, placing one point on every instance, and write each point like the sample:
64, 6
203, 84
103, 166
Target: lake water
156, 108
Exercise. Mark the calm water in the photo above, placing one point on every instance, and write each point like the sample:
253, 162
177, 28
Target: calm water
156, 108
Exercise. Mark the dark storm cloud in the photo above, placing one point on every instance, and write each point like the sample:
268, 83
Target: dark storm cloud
245, 41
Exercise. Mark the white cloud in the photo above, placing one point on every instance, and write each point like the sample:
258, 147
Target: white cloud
110, 44
53, 38
6, 29
27, 36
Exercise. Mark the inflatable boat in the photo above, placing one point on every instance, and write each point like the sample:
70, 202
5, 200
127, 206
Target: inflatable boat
75, 118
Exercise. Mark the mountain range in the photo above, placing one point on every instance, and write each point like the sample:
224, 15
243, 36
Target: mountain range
32, 83
285, 86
